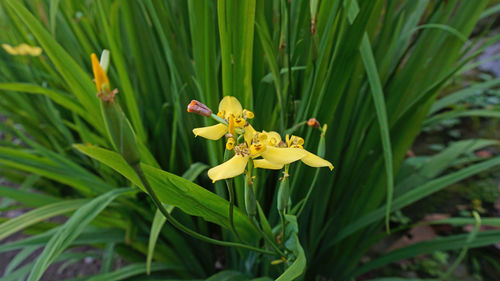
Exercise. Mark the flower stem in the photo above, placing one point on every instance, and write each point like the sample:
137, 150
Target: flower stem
283, 199
230, 190
267, 238
137, 168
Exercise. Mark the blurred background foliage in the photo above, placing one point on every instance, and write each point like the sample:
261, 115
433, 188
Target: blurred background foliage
379, 73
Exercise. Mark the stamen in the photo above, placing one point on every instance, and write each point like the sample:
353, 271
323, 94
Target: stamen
247, 114
230, 143
242, 149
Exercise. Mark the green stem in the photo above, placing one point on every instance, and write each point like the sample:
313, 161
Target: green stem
309, 192
283, 199
267, 238
283, 225
464, 250
230, 190
137, 168
292, 129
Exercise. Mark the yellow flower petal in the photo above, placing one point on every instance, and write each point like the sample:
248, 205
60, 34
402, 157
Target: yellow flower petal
285, 155
229, 169
9, 49
248, 135
23, 49
214, 132
264, 164
314, 160
35, 51
101, 79
230, 105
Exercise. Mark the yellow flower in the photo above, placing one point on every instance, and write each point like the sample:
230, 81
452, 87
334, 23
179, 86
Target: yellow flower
292, 142
23, 50
101, 81
231, 111
271, 152
256, 145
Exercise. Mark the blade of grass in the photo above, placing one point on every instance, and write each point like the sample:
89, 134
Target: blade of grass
40, 214
379, 102
71, 230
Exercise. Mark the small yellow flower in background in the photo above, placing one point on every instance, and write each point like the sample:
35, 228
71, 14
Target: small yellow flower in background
23, 50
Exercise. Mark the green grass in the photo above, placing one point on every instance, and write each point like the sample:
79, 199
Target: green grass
372, 71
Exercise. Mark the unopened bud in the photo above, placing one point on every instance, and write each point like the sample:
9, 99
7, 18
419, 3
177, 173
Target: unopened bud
313, 123
199, 108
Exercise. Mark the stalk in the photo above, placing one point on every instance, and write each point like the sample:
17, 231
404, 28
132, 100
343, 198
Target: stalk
137, 168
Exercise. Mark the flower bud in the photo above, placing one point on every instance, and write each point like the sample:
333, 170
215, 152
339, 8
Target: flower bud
283, 195
250, 202
118, 127
313, 123
199, 108
120, 132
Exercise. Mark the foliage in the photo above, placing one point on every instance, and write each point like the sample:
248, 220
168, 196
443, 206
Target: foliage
369, 69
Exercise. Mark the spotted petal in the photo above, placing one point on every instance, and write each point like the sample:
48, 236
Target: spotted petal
214, 132
314, 160
229, 105
280, 155
264, 164
229, 169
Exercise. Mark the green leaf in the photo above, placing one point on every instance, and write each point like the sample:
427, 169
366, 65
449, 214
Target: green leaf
415, 195
228, 275
455, 97
298, 267
176, 191
158, 222
58, 97
40, 214
91, 235
132, 270
485, 113
71, 230
379, 101
439, 244
54, 4
194, 171
159, 219
19, 258
27, 197
78, 79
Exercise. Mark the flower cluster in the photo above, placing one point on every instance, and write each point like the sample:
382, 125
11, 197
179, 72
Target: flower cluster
267, 150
